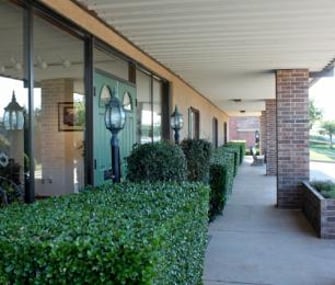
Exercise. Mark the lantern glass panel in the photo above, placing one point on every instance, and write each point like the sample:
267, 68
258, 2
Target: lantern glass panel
115, 116
13, 120
176, 121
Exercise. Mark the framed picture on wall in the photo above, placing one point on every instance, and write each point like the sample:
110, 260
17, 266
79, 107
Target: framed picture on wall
71, 116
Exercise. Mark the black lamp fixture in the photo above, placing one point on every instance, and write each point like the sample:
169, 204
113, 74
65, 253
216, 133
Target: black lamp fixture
115, 120
13, 118
176, 123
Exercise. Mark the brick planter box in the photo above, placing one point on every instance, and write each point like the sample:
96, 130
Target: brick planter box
319, 211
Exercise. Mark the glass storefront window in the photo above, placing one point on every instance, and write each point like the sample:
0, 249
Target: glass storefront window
144, 113
13, 99
157, 110
111, 64
58, 102
149, 108
59, 110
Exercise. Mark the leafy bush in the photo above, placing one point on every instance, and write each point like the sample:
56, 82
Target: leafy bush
197, 153
226, 158
121, 234
160, 161
9, 192
10, 188
221, 180
326, 188
236, 152
241, 146
252, 150
218, 194
11, 171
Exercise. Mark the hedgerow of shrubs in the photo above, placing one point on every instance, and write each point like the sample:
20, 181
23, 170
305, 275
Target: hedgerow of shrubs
242, 148
197, 153
217, 197
221, 180
235, 150
148, 233
160, 161
325, 187
10, 188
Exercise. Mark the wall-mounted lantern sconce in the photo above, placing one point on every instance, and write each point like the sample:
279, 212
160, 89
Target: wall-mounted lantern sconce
176, 123
115, 120
13, 118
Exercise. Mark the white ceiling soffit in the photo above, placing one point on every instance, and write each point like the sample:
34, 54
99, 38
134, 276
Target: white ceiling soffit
227, 49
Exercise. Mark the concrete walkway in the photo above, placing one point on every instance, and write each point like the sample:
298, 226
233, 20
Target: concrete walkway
256, 243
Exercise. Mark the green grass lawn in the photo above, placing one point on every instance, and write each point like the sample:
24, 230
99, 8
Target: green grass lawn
321, 152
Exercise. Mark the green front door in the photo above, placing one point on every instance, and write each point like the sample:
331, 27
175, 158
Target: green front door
105, 84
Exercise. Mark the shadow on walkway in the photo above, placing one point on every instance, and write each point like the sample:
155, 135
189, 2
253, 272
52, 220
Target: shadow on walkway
254, 242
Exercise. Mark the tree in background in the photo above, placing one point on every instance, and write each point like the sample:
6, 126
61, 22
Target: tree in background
328, 129
315, 114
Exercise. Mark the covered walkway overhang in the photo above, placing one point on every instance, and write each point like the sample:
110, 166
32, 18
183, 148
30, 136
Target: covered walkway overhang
228, 50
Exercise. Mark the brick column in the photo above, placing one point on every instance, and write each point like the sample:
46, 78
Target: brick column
271, 136
262, 125
292, 132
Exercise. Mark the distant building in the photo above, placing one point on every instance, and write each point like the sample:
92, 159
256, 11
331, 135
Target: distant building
244, 128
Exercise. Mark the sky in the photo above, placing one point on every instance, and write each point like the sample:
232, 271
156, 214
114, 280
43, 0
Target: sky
323, 94
7, 87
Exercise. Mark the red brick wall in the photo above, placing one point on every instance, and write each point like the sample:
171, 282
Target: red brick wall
271, 137
243, 128
319, 211
262, 141
292, 132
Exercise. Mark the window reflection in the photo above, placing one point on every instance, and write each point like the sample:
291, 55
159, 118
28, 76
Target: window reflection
13, 159
149, 108
127, 101
59, 111
12, 135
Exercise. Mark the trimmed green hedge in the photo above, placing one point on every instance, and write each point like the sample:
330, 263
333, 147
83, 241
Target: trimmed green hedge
121, 234
221, 180
325, 187
225, 157
198, 154
218, 194
160, 161
235, 150
242, 148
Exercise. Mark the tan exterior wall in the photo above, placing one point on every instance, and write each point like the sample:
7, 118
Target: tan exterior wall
185, 97
182, 94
